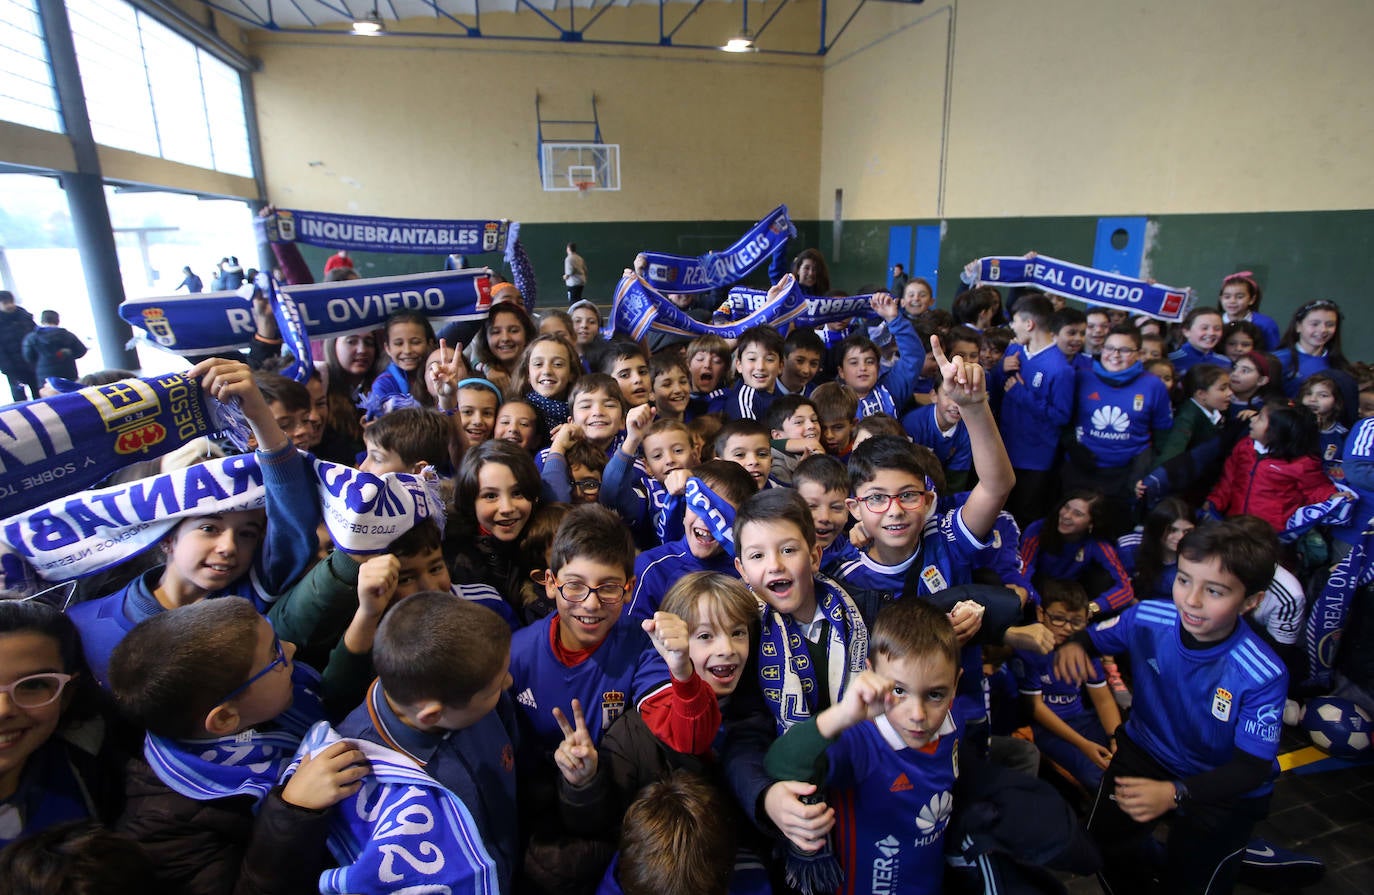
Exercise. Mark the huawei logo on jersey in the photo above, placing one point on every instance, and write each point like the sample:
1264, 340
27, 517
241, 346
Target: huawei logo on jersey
935, 813
1110, 417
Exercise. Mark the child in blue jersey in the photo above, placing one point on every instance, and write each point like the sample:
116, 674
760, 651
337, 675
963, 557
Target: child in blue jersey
746, 442
1321, 394
1199, 748
1036, 381
1311, 344
409, 341
708, 362
939, 426
802, 352
225, 709
597, 416
1240, 300
672, 385
1202, 334
795, 426
641, 490
1069, 326
583, 651
440, 699
823, 482
758, 361
1062, 546
888, 754
249, 553
893, 499
1071, 733
1122, 413
407, 440
698, 550
861, 370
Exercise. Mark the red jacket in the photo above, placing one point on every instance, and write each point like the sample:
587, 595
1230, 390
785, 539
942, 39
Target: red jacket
1267, 487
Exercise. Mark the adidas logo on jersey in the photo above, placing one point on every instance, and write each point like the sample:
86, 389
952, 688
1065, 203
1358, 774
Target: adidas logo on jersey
526, 697
901, 784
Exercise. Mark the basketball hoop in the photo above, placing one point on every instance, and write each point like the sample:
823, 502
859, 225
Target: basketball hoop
583, 186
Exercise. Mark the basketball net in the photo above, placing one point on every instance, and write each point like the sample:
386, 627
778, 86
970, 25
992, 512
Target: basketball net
583, 186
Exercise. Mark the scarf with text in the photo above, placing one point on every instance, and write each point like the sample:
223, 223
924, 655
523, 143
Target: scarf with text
92, 531
223, 321
715, 270
401, 832
638, 307
75, 439
1096, 287
786, 672
741, 302
1332, 608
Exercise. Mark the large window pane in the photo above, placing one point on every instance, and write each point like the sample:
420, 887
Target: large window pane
110, 55
26, 88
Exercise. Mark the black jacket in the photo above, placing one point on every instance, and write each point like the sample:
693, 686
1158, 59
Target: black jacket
52, 351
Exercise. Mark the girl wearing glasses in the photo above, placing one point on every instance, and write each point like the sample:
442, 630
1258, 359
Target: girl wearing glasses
1062, 547
1311, 344
56, 764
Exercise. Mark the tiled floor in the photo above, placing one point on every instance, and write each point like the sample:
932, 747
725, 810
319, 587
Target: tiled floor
1324, 809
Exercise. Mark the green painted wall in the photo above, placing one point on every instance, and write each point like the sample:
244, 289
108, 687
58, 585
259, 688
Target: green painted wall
1296, 256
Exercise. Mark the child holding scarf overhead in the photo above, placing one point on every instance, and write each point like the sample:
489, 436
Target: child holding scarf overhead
254, 553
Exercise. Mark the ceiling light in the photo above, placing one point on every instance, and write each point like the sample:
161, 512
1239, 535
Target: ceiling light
742, 44
369, 26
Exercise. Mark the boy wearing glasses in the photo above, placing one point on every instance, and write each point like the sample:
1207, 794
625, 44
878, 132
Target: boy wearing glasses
1122, 412
225, 709
1078, 737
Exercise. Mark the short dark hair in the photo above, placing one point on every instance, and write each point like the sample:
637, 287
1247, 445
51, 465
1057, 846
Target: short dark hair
823, 470
883, 452
776, 505
913, 629
672, 841
970, 305
1066, 591
1124, 329
422, 537
835, 400
618, 350
583, 453
880, 424
963, 333
783, 407
435, 645
765, 337
76, 858
592, 383
856, 342
413, 434
736, 428
173, 668
1293, 430
1093, 310
1201, 377
288, 392
1242, 548
1067, 316
49, 318
728, 479
1035, 306
591, 531
803, 339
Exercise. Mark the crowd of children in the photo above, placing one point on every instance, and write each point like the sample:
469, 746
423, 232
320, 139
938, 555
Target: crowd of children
738, 617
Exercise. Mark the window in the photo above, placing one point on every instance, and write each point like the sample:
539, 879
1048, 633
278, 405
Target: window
150, 90
26, 87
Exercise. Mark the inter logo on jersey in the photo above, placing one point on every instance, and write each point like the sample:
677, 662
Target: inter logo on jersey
1221, 704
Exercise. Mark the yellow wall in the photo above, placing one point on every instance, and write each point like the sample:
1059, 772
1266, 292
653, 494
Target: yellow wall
1063, 107
446, 128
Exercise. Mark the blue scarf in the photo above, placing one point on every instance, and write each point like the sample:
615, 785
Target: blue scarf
638, 307
1328, 616
879, 400
742, 302
292, 328
248, 763
361, 233
1096, 287
717, 513
73, 440
551, 411
786, 673
716, 270
1119, 378
401, 832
